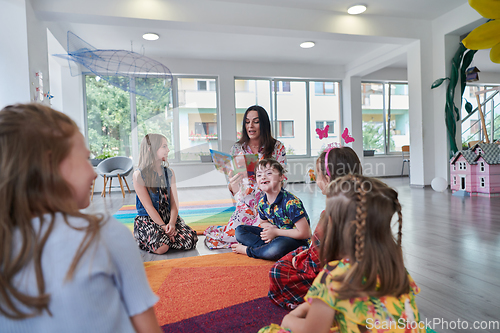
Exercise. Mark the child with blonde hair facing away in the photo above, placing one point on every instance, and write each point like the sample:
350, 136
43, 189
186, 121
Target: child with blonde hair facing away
158, 226
364, 286
292, 276
284, 224
61, 270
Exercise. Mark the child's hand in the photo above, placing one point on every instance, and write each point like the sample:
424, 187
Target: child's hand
269, 232
171, 231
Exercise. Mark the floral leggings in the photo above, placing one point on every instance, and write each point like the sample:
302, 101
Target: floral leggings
150, 236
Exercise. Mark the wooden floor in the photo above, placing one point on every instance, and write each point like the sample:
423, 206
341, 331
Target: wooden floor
451, 246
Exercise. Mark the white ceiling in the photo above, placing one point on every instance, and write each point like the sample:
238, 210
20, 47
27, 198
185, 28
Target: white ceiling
417, 9
253, 38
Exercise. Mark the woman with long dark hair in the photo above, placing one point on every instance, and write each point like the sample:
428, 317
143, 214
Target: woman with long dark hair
256, 138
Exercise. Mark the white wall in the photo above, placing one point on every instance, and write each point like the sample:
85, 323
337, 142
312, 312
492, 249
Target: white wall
37, 52
14, 62
387, 74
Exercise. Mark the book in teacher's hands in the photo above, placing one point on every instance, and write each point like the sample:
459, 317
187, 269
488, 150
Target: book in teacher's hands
226, 163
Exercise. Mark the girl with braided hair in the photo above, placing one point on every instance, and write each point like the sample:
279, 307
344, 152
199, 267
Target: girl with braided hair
293, 275
364, 286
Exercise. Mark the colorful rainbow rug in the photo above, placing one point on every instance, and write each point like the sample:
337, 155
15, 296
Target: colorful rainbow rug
199, 215
213, 293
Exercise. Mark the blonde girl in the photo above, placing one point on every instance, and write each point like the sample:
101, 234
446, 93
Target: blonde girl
158, 226
364, 286
61, 270
292, 275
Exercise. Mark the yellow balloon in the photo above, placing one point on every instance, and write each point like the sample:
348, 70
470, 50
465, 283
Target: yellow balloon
495, 53
487, 8
483, 37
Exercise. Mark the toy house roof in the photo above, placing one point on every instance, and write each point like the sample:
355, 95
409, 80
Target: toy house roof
468, 154
490, 152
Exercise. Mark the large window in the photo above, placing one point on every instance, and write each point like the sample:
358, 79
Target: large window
386, 125
198, 129
117, 120
108, 118
296, 109
471, 124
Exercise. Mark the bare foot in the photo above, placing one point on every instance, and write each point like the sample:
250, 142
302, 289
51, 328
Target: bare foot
239, 248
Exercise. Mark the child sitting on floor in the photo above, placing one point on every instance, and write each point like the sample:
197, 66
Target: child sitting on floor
292, 276
61, 270
158, 226
283, 219
364, 286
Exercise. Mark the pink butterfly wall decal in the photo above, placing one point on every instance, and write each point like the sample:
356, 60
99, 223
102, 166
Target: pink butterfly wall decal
347, 138
323, 133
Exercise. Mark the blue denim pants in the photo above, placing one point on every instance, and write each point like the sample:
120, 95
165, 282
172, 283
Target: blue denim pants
257, 248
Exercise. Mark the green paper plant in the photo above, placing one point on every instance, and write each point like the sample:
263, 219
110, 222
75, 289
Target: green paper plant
105, 154
459, 64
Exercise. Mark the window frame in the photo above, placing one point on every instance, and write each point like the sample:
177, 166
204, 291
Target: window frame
324, 125
175, 105
273, 92
285, 121
334, 93
386, 111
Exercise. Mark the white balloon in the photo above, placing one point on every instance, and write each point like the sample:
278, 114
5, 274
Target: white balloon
439, 184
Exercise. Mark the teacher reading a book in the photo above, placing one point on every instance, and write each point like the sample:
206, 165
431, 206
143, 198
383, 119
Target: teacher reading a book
256, 138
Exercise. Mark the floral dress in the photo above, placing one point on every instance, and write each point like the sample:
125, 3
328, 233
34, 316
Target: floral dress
362, 314
221, 237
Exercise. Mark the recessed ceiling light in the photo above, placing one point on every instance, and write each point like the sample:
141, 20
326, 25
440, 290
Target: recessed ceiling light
356, 9
307, 45
150, 36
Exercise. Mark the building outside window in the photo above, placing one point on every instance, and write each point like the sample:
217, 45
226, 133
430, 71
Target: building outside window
116, 125
385, 114
481, 166
324, 88
482, 182
285, 128
323, 123
301, 105
202, 85
206, 85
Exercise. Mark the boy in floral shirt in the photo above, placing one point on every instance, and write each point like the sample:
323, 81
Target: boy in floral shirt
284, 223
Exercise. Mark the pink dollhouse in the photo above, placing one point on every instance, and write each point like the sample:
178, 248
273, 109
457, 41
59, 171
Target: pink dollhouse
476, 170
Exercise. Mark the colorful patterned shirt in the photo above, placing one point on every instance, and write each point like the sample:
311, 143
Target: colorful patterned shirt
284, 211
384, 314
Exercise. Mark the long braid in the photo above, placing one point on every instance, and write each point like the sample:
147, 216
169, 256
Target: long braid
400, 221
360, 219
